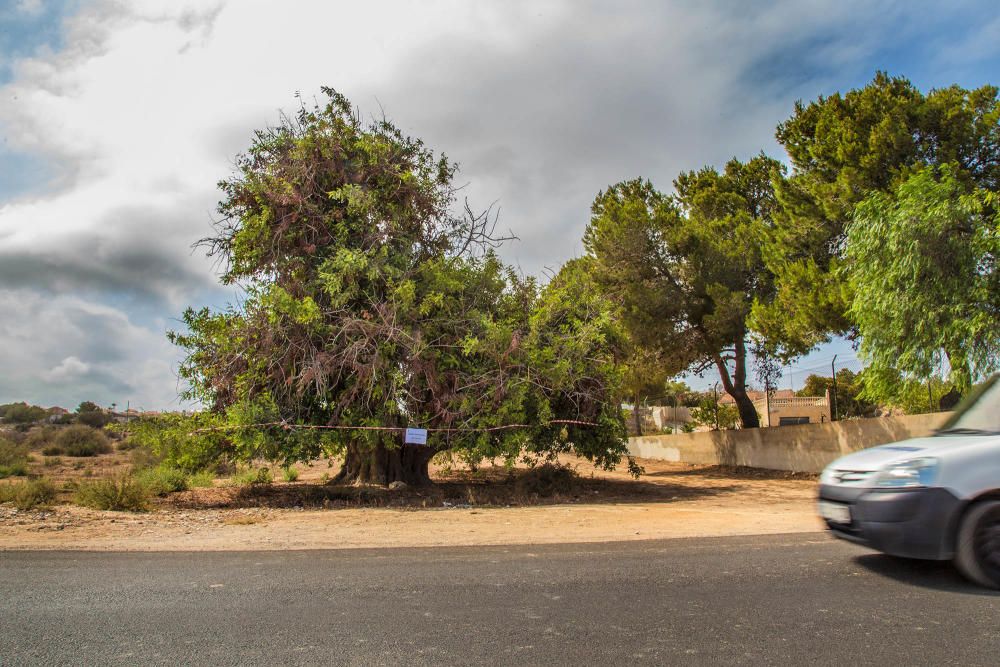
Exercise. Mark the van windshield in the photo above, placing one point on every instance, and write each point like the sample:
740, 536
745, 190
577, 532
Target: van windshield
979, 414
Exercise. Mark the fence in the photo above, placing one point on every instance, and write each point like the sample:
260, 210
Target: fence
804, 448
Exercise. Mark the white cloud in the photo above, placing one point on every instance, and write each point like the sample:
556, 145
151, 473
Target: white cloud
64, 349
69, 368
30, 7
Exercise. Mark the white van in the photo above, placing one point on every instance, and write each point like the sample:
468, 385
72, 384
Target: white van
936, 498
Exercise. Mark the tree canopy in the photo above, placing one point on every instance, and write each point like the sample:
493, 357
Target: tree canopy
686, 269
844, 148
925, 282
369, 304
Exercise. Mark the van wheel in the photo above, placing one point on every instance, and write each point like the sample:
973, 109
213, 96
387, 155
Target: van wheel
977, 549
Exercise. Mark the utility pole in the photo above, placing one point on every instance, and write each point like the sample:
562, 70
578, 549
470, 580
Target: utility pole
715, 393
833, 373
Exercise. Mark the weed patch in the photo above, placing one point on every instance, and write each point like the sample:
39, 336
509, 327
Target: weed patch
28, 495
162, 480
252, 477
203, 479
121, 494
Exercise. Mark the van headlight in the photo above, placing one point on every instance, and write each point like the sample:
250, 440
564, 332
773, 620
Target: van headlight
908, 474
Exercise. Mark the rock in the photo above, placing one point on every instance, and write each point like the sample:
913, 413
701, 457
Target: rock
394, 486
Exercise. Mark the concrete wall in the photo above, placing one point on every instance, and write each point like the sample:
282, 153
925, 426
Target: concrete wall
805, 448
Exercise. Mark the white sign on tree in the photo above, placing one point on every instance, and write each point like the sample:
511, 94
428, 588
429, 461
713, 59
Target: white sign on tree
416, 436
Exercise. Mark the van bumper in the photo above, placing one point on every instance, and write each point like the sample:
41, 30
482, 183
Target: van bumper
913, 523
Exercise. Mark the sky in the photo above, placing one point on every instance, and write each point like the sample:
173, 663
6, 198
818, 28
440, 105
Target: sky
118, 118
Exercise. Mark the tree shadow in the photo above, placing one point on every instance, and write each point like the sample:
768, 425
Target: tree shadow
487, 488
734, 472
933, 574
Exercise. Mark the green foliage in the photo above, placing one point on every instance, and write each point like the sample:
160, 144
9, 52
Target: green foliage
927, 289
289, 473
252, 477
162, 480
186, 442
80, 440
368, 302
676, 392
849, 389
53, 450
715, 415
909, 395
29, 494
39, 438
201, 479
13, 459
21, 413
686, 270
123, 493
845, 149
91, 414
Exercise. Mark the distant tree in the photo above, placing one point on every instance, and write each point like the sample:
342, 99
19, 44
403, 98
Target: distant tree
678, 393
22, 413
849, 390
715, 415
686, 270
844, 149
925, 280
91, 414
644, 377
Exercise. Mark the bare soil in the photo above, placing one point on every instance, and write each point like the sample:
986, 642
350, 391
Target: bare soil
487, 506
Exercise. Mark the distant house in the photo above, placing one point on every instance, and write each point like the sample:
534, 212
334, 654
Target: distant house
56, 414
786, 409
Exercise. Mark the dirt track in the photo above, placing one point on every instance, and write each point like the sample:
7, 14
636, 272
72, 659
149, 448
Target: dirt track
670, 500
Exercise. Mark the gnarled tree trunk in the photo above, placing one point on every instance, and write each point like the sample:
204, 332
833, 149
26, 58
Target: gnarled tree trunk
736, 386
384, 465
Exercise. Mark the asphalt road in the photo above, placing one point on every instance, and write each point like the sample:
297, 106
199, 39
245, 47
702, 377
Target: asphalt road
782, 600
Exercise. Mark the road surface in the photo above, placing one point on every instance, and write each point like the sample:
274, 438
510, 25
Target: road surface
785, 599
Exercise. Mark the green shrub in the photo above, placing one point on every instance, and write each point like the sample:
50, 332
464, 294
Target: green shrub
28, 495
51, 461
289, 474
201, 479
53, 450
11, 453
121, 494
39, 438
182, 440
14, 470
13, 459
252, 477
163, 480
79, 440
127, 445
142, 458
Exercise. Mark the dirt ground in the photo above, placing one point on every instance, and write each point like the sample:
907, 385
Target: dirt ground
489, 506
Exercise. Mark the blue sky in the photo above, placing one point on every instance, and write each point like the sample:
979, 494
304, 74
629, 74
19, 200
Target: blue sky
118, 118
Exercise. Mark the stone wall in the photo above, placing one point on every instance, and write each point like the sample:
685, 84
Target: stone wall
804, 448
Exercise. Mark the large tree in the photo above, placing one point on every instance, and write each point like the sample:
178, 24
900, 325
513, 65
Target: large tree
369, 305
686, 269
843, 148
925, 280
